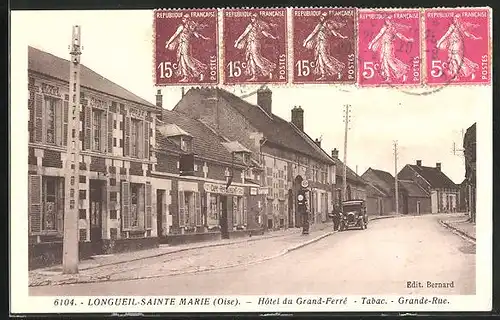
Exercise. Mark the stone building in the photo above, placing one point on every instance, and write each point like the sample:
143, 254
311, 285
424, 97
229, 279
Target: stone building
115, 194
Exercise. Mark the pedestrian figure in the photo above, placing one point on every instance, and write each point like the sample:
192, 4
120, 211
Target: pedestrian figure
336, 217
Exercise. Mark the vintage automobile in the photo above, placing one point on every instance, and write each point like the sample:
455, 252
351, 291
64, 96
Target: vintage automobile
353, 215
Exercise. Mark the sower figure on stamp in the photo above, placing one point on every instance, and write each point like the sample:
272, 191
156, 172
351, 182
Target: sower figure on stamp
250, 41
324, 64
383, 44
187, 66
453, 41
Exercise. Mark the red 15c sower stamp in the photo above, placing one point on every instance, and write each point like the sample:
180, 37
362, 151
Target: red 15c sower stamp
255, 46
324, 46
186, 47
457, 46
389, 45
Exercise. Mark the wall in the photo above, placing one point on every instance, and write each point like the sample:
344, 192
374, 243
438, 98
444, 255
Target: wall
425, 205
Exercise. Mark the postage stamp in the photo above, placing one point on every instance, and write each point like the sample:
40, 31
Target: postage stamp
389, 47
255, 46
324, 46
457, 46
186, 47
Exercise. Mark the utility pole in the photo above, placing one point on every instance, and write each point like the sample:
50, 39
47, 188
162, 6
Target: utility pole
347, 119
396, 175
72, 170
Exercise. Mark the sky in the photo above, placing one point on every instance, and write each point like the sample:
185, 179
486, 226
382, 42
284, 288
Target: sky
119, 46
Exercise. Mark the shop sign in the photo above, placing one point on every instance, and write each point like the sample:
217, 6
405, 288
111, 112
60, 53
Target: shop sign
220, 188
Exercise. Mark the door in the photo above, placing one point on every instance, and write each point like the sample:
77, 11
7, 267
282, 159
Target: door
418, 207
290, 209
223, 218
434, 202
96, 203
159, 211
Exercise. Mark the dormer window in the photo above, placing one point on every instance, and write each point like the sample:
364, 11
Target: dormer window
186, 144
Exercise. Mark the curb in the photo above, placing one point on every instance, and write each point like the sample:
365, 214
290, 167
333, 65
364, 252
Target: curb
108, 279
458, 231
383, 217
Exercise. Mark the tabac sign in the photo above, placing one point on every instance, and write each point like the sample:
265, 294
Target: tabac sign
220, 188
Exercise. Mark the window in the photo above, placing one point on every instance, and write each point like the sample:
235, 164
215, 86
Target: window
189, 209
96, 129
186, 144
134, 204
239, 211
213, 210
135, 137
50, 119
50, 204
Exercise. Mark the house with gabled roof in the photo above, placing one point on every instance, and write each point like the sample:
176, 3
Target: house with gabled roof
412, 199
282, 148
207, 184
117, 132
443, 191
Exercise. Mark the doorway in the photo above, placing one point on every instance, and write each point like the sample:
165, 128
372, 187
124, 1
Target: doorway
97, 193
224, 226
418, 207
159, 211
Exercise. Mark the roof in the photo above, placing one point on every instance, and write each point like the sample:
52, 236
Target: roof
48, 64
235, 146
386, 178
373, 190
275, 129
172, 130
436, 178
413, 189
351, 175
206, 143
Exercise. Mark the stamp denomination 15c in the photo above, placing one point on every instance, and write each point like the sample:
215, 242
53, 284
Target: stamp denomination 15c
324, 45
389, 47
186, 47
457, 46
255, 46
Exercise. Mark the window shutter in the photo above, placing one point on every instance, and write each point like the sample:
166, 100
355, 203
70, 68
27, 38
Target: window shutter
87, 127
59, 122
65, 123
147, 195
145, 154
38, 125
125, 212
110, 132
31, 123
104, 131
245, 219
182, 210
197, 203
126, 136
60, 205
35, 203
235, 211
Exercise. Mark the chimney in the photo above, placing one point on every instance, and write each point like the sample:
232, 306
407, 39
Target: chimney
298, 117
159, 99
335, 153
318, 142
438, 166
265, 99
419, 163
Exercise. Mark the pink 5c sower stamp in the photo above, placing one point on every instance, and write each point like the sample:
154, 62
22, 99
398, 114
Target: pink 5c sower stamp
255, 46
324, 46
389, 47
457, 46
186, 47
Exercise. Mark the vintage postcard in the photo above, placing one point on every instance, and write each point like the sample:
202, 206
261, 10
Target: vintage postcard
276, 160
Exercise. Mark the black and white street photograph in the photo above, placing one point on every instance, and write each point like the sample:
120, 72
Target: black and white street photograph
131, 189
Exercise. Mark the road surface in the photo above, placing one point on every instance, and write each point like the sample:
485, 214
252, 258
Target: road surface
379, 260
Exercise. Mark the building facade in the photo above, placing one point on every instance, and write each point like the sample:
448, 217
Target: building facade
115, 195
281, 148
206, 186
443, 191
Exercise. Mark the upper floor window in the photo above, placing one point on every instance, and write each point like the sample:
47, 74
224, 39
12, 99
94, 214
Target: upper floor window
186, 144
96, 129
50, 119
135, 129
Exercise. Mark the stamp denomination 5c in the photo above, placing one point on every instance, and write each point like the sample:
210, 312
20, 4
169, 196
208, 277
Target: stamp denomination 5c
255, 46
324, 46
389, 46
186, 47
457, 46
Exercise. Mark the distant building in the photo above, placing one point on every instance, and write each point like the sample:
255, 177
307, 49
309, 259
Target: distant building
286, 154
412, 199
117, 132
443, 191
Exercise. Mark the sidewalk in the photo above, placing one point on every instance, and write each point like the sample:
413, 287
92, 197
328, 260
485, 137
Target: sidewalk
190, 258
461, 225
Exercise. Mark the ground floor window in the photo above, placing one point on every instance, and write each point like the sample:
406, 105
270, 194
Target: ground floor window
189, 209
239, 211
136, 206
213, 204
46, 203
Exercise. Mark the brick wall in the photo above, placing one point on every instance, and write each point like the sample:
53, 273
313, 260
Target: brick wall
97, 164
167, 163
135, 168
31, 156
